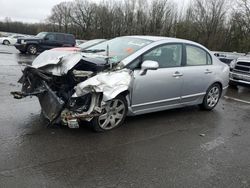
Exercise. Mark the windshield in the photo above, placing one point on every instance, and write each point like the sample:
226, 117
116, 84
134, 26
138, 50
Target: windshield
90, 43
121, 47
41, 35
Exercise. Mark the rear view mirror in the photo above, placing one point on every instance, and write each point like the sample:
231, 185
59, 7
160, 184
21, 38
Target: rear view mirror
148, 65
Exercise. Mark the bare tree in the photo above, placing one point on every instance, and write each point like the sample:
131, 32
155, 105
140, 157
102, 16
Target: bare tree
208, 18
60, 16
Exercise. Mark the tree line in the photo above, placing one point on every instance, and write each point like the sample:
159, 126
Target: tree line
217, 24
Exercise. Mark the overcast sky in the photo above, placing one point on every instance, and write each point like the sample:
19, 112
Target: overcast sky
35, 10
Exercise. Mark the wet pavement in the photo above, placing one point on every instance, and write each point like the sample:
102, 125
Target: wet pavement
175, 148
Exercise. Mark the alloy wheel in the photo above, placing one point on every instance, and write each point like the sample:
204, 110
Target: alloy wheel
213, 96
112, 115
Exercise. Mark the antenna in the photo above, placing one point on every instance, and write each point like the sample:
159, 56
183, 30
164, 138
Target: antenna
107, 53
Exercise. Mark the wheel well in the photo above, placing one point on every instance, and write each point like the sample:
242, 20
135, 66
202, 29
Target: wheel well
220, 84
124, 93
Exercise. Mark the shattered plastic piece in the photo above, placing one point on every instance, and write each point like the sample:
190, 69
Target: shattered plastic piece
202, 135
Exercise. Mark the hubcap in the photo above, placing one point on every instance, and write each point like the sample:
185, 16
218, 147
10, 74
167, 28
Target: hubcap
213, 96
112, 115
33, 50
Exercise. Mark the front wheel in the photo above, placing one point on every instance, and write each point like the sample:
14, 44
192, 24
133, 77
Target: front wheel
112, 116
212, 97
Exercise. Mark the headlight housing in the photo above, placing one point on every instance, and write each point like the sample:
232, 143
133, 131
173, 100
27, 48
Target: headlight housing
23, 42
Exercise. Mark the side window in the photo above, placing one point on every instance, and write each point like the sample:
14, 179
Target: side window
60, 37
209, 60
169, 55
197, 56
50, 37
135, 64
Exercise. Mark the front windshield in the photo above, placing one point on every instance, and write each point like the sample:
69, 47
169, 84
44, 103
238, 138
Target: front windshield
90, 43
41, 35
121, 47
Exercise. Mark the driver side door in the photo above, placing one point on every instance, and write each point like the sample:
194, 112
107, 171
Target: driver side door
158, 89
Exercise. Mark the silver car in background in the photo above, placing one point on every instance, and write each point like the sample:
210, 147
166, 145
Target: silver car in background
128, 75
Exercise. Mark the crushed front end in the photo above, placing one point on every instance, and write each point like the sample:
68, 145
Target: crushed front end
71, 88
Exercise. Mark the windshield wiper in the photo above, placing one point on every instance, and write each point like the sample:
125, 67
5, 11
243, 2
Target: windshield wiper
93, 50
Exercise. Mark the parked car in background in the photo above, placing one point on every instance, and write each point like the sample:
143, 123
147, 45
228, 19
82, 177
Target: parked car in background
44, 41
10, 40
227, 57
240, 71
82, 46
141, 74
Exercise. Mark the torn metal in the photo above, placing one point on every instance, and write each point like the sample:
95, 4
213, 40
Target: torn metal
71, 86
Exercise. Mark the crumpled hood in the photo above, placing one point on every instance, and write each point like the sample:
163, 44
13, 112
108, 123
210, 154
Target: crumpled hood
53, 57
60, 62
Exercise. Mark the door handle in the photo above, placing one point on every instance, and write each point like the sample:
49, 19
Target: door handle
177, 74
207, 71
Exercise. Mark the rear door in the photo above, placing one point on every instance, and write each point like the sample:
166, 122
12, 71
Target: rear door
60, 39
198, 73
49, 41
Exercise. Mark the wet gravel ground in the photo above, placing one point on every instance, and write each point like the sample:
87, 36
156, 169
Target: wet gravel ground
175, 148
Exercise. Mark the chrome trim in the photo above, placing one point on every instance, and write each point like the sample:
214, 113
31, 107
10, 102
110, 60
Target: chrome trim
155, 108
155, 102
243, 66
168, 100
240, 81
194, 95
163, 107
233, 73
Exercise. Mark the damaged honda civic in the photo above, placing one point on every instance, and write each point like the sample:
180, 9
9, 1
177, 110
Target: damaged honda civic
121, 77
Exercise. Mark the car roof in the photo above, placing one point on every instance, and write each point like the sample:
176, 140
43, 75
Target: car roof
167, 39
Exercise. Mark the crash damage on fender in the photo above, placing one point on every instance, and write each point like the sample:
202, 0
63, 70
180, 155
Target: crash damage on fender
72, 86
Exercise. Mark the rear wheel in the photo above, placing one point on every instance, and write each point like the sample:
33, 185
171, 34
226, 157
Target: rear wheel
212, 97
32, 49
112, 116
6, 42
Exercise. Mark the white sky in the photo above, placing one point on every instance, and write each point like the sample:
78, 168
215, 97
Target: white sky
37, 10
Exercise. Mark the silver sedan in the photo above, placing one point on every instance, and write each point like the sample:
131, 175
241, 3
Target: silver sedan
129, 75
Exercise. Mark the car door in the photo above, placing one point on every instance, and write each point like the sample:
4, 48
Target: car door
158, 89
49, 41
60, 38
197, 73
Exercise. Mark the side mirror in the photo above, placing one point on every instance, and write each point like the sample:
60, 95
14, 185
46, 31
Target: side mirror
46, 38
148, 65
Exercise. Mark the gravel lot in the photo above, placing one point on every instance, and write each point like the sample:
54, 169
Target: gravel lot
175, 148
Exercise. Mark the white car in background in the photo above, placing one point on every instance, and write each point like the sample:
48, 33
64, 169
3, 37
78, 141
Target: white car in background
10, 40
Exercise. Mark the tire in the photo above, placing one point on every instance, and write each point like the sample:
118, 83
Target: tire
32, 49
111, 116
6, 42
212, 97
